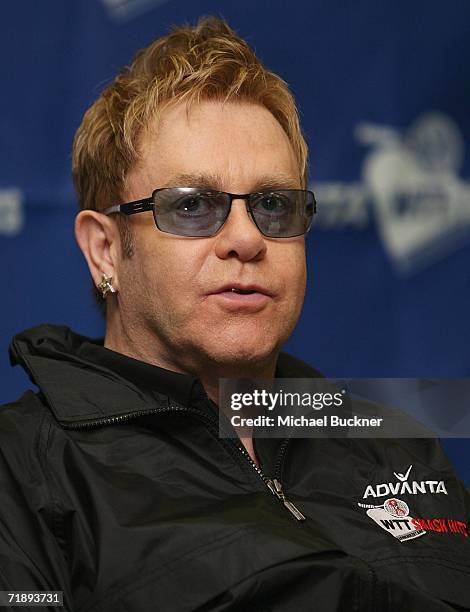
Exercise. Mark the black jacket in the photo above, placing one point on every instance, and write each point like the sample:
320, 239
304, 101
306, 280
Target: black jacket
128, 501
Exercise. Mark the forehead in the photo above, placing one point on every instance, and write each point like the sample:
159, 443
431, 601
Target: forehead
233, 147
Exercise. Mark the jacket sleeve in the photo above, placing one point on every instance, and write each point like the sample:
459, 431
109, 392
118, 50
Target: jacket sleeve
31, 557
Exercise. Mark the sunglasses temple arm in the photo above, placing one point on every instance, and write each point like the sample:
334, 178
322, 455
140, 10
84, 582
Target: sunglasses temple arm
131, 208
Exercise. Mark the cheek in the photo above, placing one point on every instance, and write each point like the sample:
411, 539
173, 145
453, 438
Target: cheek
169, 268
293, 264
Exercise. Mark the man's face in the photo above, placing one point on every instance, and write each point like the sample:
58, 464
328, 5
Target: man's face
170, 291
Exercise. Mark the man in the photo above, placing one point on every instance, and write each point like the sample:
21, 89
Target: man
191, 174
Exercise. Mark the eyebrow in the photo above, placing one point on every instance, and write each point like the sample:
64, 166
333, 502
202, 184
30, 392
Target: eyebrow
215, 181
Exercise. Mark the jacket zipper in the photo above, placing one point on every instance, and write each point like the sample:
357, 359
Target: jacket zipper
273, 484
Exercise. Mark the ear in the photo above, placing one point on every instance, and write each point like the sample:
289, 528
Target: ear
98, 238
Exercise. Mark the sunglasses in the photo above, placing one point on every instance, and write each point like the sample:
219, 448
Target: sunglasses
198, 213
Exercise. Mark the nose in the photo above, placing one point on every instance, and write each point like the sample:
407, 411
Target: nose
239, 236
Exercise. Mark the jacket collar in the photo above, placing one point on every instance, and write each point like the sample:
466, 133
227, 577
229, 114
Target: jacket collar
77, 388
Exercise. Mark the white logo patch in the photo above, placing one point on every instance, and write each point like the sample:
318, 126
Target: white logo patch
400, 526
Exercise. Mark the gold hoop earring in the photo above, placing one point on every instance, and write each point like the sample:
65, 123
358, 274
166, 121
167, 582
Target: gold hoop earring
106, 285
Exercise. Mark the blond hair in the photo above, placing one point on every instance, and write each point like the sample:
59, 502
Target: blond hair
208, 61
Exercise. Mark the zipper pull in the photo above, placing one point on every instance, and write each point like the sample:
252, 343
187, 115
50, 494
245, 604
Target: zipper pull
276, 488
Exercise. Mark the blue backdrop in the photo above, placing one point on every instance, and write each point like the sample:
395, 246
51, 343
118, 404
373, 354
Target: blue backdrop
384, 94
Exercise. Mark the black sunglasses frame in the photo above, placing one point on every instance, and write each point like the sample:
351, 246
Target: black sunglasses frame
148, 204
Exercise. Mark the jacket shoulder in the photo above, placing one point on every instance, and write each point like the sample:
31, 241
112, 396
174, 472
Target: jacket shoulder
29, 405
23, 424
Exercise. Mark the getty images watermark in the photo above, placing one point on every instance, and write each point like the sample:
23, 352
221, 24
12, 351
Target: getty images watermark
300, 407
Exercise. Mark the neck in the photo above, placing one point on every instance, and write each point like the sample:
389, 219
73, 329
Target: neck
141, 344
210, 377
144, 346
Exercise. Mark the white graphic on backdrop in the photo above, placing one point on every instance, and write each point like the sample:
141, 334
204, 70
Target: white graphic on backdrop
410, 182
124, 10
11, 212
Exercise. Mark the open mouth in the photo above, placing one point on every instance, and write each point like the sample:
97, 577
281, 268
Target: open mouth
242, 291
243, 294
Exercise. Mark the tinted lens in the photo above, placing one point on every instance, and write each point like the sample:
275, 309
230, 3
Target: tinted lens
283, 213
188, 211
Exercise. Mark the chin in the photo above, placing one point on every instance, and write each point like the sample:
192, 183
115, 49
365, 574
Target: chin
243, 352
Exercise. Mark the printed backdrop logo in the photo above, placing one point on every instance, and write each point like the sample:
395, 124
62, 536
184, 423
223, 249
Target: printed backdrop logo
11, 212
410, 181
403, 486
124, 10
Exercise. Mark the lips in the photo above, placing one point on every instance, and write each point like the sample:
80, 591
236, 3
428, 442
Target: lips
242, 289
240, 297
